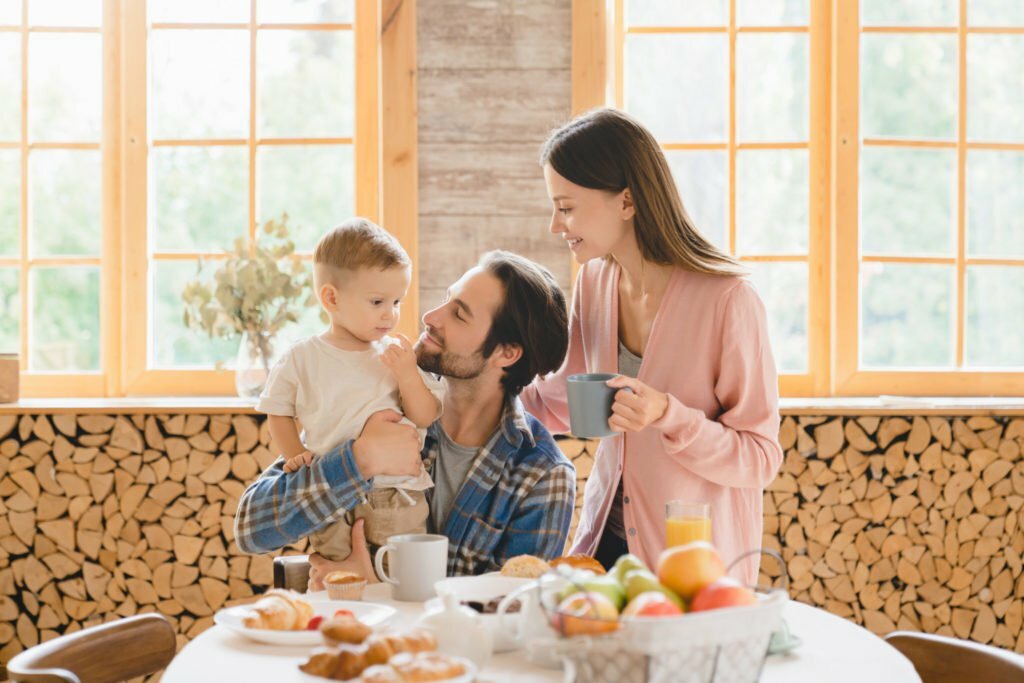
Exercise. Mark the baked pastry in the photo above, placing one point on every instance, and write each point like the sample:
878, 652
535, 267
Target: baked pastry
279, 610
579, 562
344, 629
426, 666
343, 585
381, 647
342, 576
409, 668
345, 662
322, 662
525, 566
380, 673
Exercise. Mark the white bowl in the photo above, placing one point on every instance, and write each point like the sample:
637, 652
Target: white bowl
484, 588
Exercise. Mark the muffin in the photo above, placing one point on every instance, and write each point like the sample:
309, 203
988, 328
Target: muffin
342, 585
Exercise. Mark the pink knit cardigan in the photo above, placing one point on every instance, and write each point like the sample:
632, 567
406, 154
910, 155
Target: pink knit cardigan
718, 440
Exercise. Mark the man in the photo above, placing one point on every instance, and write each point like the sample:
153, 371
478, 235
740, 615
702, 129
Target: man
501, 486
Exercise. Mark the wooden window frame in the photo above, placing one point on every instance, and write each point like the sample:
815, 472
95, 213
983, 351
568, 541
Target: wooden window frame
597, 77
385, 165
833, 296
850, 379
88, 383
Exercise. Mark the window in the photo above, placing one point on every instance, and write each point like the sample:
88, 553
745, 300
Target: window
930, 267
249, 114
740, 137
137, 137
915, 229
51, 170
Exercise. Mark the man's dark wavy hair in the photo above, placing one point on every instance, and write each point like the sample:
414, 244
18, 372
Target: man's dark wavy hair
533, 316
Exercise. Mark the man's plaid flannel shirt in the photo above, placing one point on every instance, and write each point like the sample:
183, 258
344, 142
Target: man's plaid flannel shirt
517, 498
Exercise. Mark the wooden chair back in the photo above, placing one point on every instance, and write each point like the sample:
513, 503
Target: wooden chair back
939, 659
118, 651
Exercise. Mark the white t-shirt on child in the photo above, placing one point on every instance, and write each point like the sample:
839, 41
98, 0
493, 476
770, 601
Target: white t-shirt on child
332, 392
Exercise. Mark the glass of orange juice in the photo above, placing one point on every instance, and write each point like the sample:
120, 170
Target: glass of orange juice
686, 521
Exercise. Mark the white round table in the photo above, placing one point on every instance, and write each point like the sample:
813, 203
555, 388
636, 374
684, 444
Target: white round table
833, 649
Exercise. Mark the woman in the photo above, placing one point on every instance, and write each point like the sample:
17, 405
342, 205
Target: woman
697, 406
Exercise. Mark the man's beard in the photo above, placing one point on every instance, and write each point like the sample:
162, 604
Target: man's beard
448, 364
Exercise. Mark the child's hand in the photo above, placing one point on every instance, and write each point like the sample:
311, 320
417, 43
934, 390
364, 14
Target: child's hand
294, 463
400, 357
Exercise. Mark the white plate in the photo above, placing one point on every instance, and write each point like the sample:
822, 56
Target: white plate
366, 612
468, 677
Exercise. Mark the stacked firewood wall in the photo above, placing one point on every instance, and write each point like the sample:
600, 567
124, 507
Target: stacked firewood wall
103, 516
894, 522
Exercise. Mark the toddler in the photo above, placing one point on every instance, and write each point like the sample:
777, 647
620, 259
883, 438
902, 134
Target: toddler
332, 382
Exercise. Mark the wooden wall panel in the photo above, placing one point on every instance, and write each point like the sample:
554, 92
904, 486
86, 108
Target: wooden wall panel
494, 80
494, 34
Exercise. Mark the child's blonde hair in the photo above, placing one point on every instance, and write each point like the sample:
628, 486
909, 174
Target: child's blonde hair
356, 243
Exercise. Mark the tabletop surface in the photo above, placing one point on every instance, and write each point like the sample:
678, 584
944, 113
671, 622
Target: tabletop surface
833, 649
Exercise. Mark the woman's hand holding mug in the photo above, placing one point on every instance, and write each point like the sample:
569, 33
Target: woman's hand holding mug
636, 405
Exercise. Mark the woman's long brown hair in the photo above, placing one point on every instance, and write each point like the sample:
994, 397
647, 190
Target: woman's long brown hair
605, 149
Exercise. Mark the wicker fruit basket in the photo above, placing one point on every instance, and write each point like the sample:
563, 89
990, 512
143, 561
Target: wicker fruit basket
727, 645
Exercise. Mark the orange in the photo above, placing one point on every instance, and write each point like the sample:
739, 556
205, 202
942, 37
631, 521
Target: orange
687, 568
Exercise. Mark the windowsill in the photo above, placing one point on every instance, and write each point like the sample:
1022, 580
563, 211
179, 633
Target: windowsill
132, 404
843, 405
903, 405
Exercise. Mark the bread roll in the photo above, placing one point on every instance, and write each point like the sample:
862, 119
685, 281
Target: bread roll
525, 566
579, 562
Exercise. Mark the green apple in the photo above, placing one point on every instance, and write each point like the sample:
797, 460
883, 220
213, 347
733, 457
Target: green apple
642, 580
609, 587
575, 580
624, 565
588, 581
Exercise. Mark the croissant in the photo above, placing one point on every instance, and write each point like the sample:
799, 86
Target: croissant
344, 629
425, 666
408, 668
279, 610
343, 663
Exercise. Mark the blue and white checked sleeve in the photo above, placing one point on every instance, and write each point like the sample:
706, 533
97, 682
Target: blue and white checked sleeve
281, 508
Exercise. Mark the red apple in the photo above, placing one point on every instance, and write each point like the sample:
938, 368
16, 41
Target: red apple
586, 613
725, 592
651, 604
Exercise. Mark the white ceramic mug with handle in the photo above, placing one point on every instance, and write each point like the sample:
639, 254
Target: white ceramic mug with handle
415, 563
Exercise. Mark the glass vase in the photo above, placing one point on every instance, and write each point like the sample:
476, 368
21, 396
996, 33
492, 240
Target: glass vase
256, 357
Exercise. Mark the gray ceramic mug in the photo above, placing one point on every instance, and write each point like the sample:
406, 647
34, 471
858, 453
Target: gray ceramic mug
590, 404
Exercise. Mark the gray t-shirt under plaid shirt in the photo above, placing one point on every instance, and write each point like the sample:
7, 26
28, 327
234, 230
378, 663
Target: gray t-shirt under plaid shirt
450, 471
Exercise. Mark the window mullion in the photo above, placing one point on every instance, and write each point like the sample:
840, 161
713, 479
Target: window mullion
134, 136
111, 313
961, 184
